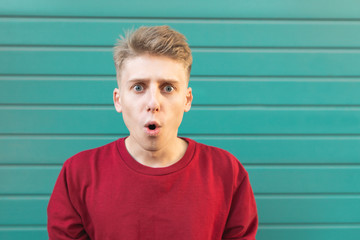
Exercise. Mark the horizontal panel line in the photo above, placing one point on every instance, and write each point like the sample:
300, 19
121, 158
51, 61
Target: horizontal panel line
197, 107
66, 78
329, 194
57, 48
194, 48
197, 135
278, 76
219, 80
275, 49
24, 197
177, 19
237, 48
259, 196
198, 77
309, 226
29, 166
102, 107
22, 227
302, 165
206, 49
84, 76
55, 105
62, 136
249, 79
194, 78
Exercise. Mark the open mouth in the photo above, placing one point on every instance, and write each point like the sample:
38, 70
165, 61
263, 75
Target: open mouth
152, 126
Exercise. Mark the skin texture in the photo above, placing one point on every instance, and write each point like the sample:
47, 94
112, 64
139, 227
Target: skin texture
153, 89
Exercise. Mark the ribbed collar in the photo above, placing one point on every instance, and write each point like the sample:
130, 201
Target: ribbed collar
138, 167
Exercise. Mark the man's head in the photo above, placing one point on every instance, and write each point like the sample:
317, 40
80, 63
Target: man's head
153, 66
157, 41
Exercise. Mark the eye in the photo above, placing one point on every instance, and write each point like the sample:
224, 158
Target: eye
168, 88
138, 88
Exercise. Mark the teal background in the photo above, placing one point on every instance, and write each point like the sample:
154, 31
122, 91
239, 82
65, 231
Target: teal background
277, 83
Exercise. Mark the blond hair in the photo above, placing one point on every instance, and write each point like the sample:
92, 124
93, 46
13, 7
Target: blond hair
158, 41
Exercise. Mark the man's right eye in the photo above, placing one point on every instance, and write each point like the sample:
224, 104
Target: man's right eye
138, 88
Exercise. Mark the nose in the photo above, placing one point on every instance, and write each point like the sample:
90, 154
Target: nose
153, 104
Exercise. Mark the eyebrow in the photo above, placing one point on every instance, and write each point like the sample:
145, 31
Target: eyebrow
173, 81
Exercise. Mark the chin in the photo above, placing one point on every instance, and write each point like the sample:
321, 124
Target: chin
151, 143
152, 147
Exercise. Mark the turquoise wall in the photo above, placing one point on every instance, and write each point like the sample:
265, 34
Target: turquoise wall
277, 83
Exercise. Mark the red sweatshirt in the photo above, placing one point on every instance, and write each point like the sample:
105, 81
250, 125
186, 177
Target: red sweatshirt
104, 193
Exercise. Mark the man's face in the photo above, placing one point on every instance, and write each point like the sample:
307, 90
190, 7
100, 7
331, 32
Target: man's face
152, 97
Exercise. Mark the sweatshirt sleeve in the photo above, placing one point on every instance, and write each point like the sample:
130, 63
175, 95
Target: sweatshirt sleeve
64, 222
242, 222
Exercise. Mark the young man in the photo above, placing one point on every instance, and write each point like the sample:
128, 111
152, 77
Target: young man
153, 184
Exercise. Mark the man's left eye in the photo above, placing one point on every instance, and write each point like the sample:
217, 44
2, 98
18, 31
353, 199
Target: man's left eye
168, 88
138, 88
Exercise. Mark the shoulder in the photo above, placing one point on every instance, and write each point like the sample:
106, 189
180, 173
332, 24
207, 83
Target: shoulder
90, 157
222, 160
85, 167
218, 155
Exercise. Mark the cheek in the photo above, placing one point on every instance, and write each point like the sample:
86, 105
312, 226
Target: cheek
128, 112
177, 114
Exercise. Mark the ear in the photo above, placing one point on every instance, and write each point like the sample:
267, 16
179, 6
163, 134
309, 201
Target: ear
189, 98
117, 101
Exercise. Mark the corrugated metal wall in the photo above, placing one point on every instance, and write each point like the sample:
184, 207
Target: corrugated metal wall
277, 83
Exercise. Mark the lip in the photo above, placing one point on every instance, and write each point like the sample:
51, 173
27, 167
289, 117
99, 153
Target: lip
147, 124
150, 132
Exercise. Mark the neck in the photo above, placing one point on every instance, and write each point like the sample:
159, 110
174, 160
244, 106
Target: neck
165, 156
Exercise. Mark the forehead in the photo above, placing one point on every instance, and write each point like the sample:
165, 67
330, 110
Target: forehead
152, 68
